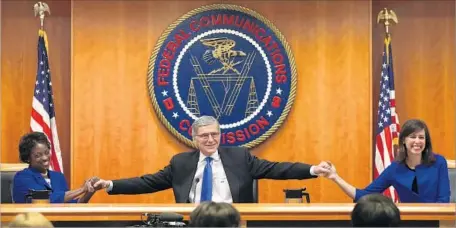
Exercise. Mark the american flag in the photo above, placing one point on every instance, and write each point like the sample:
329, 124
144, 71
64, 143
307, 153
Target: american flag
43, 113
388, 127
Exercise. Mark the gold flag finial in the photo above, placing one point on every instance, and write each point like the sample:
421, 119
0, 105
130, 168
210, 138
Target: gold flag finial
385, 16
40, 8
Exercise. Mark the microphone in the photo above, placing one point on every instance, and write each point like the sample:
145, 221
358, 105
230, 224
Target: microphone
170, 217
194, 189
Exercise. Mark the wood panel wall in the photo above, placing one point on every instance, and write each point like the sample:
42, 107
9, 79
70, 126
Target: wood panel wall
19, 40
113, 128
116, 133
424, 52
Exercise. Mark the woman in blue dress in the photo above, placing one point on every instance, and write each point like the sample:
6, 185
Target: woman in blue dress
418, 174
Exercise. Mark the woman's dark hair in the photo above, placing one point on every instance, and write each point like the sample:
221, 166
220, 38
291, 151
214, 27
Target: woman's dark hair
210, 214
408, 128
28, 142
375, 210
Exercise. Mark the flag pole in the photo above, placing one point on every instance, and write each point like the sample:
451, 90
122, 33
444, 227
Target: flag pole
386, 16
388, 122
40, 9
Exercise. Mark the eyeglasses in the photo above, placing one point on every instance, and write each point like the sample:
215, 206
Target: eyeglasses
205, 136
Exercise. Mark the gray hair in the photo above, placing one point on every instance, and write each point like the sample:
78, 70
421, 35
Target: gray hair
203, 121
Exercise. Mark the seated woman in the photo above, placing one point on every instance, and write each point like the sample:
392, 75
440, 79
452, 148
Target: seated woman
417, 174
34, 149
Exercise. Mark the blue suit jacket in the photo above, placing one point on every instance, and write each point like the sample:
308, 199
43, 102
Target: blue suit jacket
433, 182
30, 178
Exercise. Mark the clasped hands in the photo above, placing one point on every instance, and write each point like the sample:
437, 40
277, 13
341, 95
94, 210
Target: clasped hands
88, 186
94, 184
325, 169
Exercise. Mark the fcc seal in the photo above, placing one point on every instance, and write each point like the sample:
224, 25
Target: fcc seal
224, 61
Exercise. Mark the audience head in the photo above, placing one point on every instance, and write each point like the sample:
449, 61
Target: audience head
31, 219
375, 210
206, 134
211, 214
414, 139
34, 149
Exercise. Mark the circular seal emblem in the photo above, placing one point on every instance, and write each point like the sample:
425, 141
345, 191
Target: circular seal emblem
225, 61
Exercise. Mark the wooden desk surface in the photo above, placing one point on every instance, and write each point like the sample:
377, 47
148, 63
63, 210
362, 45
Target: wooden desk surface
249, 212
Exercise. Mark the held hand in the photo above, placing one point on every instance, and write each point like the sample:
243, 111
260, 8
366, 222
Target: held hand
100, 184
332, 175
325, 164
322, 169
89, 184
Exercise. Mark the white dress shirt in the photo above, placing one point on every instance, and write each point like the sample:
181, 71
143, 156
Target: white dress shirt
220, 186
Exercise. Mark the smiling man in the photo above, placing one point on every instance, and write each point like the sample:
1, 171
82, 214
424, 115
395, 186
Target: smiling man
212, 173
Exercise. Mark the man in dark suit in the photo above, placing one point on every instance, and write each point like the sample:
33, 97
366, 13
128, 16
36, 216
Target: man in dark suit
212, 173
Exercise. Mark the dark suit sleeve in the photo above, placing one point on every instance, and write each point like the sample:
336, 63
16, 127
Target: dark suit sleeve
148, 183
260, 168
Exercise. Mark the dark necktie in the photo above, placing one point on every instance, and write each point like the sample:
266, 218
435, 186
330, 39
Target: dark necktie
206, 189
